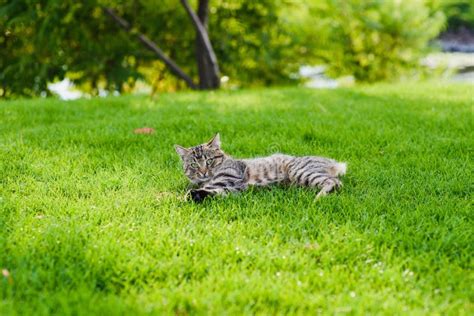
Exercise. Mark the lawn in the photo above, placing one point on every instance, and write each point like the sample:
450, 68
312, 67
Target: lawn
93, 221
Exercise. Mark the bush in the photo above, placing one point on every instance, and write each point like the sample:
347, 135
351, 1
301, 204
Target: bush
256, 42
459, 13
47, 40
372, 40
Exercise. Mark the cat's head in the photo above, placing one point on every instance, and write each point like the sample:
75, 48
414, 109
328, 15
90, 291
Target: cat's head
201, 161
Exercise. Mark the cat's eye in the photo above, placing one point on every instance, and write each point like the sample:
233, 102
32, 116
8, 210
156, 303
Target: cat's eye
194, 165
210, 161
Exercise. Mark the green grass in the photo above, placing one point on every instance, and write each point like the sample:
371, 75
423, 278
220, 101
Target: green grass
92, 219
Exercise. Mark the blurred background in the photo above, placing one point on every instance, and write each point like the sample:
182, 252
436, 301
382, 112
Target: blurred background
88, 48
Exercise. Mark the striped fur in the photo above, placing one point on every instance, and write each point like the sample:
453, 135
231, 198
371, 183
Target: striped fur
216, 173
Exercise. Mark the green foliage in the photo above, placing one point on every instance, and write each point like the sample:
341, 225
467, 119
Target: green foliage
372, 40
92, 220
43, 41
458, 13
252, 41
49, 39
256, 42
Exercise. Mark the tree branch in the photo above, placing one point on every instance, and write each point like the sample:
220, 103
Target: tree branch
202, 33
173, 67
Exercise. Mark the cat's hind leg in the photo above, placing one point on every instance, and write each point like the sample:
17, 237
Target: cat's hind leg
328, 185
316, 172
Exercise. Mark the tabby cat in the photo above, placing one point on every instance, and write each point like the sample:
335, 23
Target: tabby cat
215, 173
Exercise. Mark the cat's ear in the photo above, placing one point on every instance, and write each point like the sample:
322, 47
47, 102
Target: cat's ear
181, 150
215, 141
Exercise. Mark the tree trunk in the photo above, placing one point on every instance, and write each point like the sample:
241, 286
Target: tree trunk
208, 79
208, 67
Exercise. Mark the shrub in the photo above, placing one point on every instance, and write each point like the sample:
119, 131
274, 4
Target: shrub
459, 13
373, 40
44, 41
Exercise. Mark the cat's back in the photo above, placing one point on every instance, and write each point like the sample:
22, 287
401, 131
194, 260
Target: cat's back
267, 170
269, 160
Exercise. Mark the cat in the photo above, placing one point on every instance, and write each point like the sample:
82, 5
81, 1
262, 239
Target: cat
213, 172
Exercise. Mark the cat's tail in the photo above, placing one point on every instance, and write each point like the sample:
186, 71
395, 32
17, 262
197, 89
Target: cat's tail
338, 169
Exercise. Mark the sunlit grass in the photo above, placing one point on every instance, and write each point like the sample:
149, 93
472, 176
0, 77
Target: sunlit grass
92, 219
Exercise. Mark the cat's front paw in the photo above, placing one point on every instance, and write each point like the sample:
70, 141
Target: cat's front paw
198, 195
